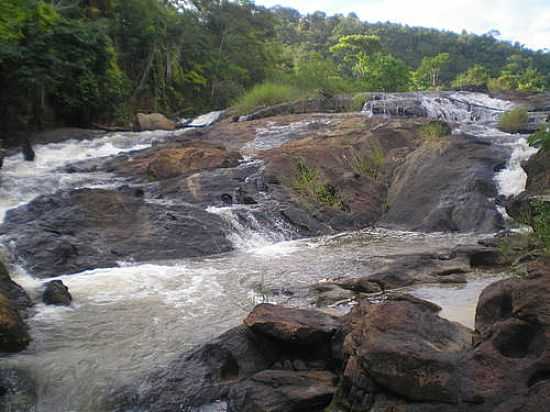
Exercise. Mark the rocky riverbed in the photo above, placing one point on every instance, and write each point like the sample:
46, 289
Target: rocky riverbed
167, 239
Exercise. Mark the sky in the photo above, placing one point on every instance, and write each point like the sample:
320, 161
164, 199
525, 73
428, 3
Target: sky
525, 21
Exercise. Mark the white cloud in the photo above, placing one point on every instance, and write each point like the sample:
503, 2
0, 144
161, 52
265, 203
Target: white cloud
526, 21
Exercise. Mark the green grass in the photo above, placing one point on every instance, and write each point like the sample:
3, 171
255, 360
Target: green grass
266, 94
514, 121
309, 184
540, 222
369, 164
541, 138
434, 132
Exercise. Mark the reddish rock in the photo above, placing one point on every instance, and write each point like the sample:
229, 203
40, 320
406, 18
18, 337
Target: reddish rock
153, 121
304, 327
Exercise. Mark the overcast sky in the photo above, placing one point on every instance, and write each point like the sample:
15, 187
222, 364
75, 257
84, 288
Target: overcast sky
526, 21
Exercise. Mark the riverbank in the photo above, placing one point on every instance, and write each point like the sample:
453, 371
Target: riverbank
166, 239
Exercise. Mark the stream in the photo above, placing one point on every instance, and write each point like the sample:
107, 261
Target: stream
126, 321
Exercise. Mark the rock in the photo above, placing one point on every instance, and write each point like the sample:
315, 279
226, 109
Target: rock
153, 121
293, 326
284, 391
207, 120
409, 350
200, 377
448, 191
2, 155
28, 152
17, 391
72, 231
11, 290
538, 173
14, 336
167, 162
56, 293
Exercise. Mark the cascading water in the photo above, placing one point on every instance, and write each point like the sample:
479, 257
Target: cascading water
127, 320
474, 114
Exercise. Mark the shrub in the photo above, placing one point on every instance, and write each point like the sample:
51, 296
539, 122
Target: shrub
514, 120
265, 94
541, 138
371, 165
309, 184
540, 222
433, 132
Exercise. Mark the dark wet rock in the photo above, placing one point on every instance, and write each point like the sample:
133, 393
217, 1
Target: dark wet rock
72, 231
17, 391
28, 151
14, 335
325, 294
56, 293
201, 376
269, 364
284, 391
293, 326
447, 191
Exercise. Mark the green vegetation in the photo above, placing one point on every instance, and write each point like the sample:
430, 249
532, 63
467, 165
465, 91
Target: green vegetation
266, 94
369, 164
540, 222
99, 61
541, 138
514, 121
310, 185
433, 132
476, 77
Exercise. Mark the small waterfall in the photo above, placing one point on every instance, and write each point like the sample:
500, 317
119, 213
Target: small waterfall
251, 229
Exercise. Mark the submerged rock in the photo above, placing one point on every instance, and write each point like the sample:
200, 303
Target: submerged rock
17, 391
77, 230
56, 293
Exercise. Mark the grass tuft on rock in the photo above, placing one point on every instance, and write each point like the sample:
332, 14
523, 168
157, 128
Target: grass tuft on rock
368, 164
309, 184
432, 133
514, 121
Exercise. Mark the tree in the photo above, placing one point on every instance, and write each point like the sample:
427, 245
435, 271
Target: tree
383, 72
351, 48
427, 76
476, 76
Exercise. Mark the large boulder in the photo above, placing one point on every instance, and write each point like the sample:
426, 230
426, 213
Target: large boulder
448, 189
280, 360
153, 121
72, 231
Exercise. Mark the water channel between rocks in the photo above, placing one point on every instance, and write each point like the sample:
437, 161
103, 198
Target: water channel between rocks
127, 320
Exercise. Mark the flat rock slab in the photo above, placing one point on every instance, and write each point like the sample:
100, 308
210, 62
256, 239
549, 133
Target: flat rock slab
73, 231
207, 119
291, 325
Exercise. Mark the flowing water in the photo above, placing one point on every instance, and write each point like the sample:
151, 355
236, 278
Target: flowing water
127, 320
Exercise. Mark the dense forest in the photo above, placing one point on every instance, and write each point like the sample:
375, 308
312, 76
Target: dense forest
79, 62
